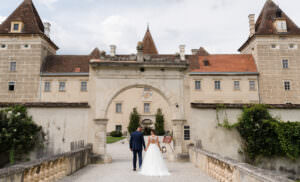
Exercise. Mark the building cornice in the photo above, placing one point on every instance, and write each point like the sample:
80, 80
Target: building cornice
241, 106
223, 73
46, 104
64, 74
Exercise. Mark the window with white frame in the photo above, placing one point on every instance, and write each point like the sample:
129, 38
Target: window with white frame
146, 107
293, 46
285, 63
13, 66
118, 107
47, 87
287, 85
252, 85
11, 86
281, 26
236, 84
197, 85
187, 133
62, 86
217, 85
83, 87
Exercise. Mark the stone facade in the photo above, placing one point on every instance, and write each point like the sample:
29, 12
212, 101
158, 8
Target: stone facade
28, 61
269, 63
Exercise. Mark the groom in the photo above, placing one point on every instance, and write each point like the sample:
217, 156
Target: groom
136, 145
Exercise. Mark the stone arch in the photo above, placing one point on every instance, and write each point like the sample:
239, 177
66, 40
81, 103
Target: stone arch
166, 95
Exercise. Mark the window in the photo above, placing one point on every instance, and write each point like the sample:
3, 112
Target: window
236, 85
251, 85
147, 89
118, 108
217, 85
13, 66
285, 63
146, 107
287, 85
206, 63
197, 85
16, 26
274, 46
47, 87
119, 128
187, 133
11, 86
83, 86
293, 46
62, 86
281, 26
25, 46
3, 46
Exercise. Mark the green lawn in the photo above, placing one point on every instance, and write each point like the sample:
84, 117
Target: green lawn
110, 139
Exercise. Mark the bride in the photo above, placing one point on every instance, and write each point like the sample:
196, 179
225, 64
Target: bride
153, 164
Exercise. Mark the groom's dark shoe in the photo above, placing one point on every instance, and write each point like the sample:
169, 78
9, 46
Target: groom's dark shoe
134, 169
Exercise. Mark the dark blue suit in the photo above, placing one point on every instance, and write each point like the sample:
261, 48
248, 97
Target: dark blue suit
137, 143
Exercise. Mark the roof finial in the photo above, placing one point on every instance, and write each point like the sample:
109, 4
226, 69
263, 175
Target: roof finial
148, 29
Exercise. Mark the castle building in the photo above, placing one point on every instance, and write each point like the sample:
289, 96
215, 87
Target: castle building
111, 85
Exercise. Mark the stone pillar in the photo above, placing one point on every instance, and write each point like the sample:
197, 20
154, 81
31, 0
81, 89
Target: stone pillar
178, 135
99, 146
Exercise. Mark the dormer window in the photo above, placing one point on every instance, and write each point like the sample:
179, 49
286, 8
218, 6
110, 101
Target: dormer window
281, 25
16, 27
206, 63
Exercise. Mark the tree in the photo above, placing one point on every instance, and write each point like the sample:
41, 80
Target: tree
19, 134
134, 121
159, 123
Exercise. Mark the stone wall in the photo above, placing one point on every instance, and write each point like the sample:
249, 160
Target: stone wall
225, 169
65, 125
48, 169
204, 127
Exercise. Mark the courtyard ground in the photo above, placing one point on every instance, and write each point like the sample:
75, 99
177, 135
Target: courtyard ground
120, 170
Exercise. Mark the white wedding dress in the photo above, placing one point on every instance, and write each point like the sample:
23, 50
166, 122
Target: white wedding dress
153, 163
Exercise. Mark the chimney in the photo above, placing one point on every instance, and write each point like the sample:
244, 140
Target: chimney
252, 24
113, 50
47, 26
140, 52
182, 52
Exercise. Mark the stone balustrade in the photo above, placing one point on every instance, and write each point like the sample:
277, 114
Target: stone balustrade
48, 169
228, 170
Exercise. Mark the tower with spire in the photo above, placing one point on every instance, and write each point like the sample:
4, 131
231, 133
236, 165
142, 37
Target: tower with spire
22, 58
274, 42
148, 43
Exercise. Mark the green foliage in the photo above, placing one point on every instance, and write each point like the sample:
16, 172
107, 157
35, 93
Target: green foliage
147, 131
19, 134
159, 123
111, 139
266, 136
116, 134
134, 121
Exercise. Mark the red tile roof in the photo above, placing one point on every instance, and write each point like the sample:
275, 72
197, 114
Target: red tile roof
69, 63
233, 63
148, 43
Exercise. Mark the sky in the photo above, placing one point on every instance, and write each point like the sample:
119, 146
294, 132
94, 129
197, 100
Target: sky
220, 26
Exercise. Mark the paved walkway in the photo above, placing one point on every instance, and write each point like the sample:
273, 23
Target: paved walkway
120, 170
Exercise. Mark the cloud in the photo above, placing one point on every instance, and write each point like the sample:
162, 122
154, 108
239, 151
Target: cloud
2, 18
48, 3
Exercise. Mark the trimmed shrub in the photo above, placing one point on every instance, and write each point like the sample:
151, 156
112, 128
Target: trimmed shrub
134, 121
159, 123
116, 134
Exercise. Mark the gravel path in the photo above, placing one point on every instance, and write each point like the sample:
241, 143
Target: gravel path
120, 170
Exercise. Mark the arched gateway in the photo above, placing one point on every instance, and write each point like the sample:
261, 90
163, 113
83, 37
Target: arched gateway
112, 75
